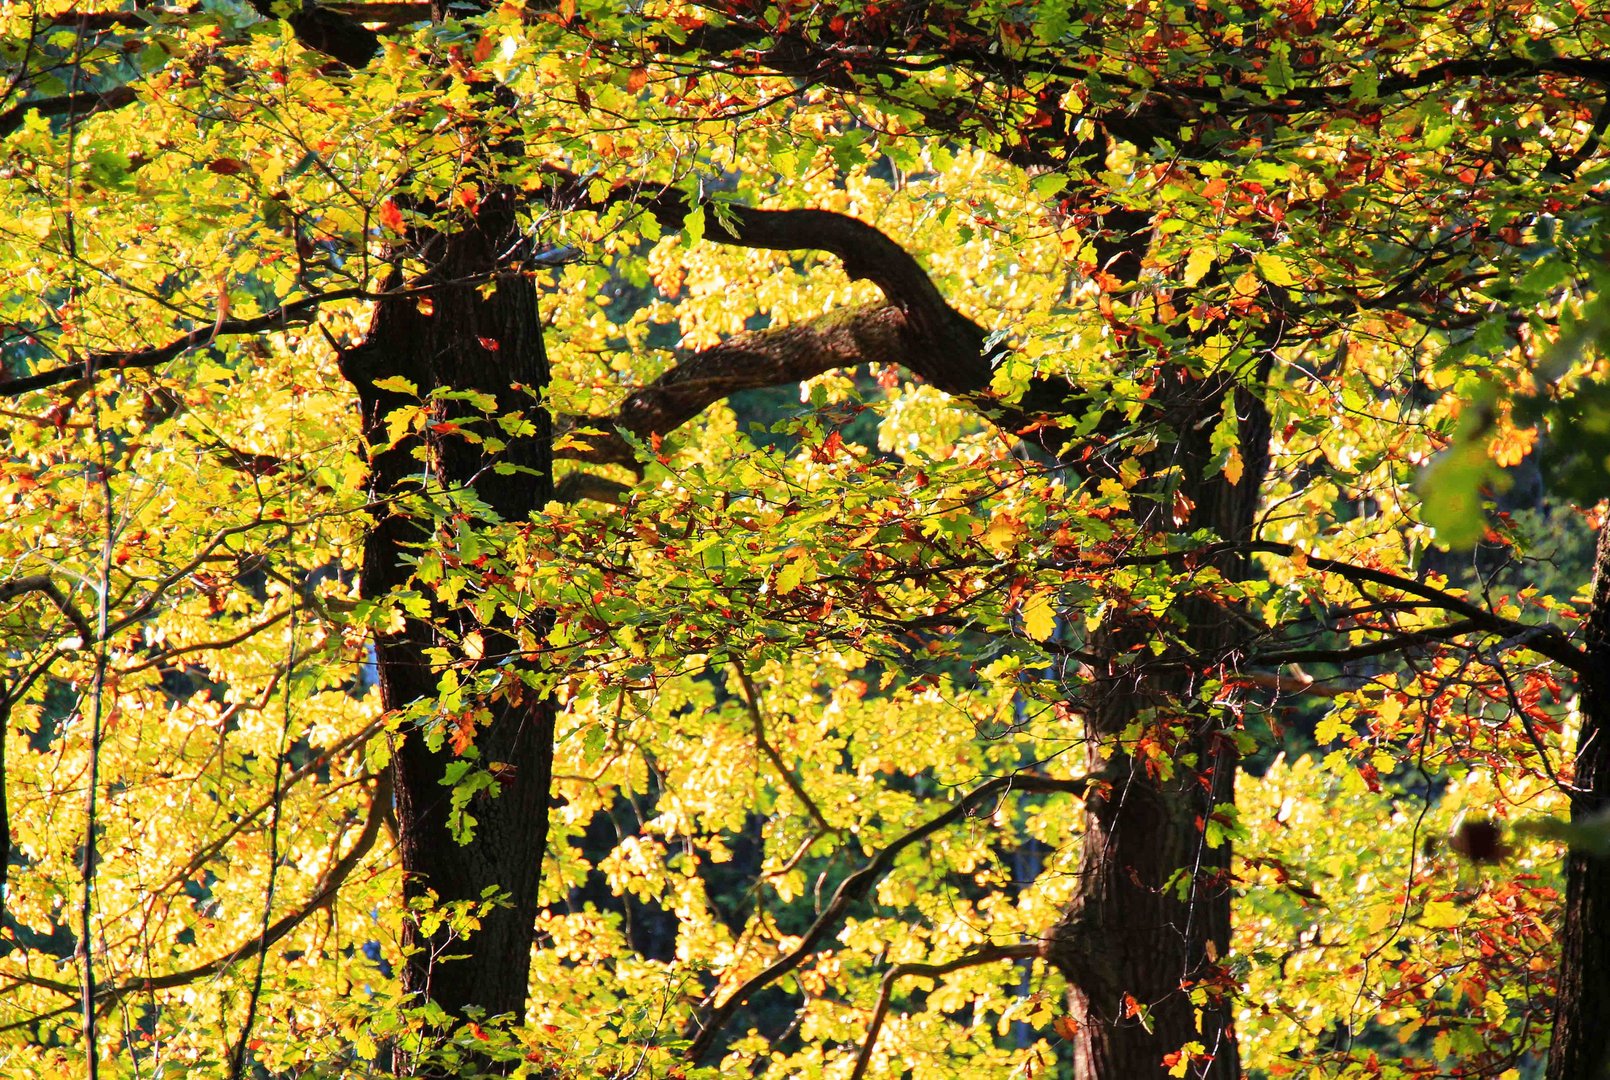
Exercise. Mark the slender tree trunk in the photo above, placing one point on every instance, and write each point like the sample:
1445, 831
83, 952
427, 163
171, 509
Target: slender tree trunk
475, 327
1581, 1049
1142, 943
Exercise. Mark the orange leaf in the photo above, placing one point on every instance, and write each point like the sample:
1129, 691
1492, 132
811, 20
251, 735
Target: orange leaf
462, 733
1183, 505
637, 79
391, 217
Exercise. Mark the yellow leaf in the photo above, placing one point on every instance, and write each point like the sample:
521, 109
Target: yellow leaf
790, 576
1275, 270
1113, 492
1039, 617
474, 645
1234, 467
1198, 263
1002, 534
1441, 915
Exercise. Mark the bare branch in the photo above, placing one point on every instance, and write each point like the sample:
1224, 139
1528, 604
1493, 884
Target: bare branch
322, 896
752, 704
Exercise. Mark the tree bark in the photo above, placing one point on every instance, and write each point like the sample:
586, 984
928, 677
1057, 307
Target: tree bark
1581, 1047
1142, 942
477, 330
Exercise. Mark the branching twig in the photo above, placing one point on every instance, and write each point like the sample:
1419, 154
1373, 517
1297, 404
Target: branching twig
858, 884
752, 703
989, 954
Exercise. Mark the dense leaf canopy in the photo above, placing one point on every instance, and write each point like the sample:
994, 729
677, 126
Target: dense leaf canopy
982, 435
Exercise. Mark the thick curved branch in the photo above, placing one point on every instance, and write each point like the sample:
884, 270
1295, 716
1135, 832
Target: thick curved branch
43, 583
748, 361
953, 344
858, 884
868, 254
585, 485
81, 104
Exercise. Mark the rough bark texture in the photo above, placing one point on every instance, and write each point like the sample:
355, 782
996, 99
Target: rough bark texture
468, 342
1132, 934
1581, 1049
1152, 915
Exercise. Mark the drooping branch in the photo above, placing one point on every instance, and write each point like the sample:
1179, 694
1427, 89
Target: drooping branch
288, 314
322, 896
858, 884
1542, 638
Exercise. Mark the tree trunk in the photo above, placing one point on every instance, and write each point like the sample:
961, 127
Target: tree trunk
1142, 943
1581, 1048
450, 335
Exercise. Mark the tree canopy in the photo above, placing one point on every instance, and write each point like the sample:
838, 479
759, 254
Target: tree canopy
948, 539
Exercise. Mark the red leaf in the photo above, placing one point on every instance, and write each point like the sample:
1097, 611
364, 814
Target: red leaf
829, 448
225, 166
489, 344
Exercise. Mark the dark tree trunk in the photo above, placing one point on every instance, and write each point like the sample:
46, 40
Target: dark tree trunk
473, 327
1581, 1049
1142, 943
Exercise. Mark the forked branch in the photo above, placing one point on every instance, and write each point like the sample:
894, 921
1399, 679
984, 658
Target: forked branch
988, 954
